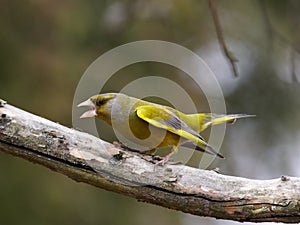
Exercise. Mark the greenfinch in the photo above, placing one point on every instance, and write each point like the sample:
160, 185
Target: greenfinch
146, 126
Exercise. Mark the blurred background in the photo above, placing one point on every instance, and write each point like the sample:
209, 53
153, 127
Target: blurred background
45, 47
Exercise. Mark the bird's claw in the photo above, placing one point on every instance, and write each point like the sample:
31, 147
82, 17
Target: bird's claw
162, 160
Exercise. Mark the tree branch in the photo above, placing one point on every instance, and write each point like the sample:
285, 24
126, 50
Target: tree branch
273, 33
228, 54
88, 159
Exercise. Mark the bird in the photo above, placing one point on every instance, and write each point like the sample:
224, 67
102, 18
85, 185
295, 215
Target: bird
147, 126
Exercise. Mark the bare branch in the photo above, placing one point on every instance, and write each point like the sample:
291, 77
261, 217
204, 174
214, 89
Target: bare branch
273, 33
293, 66
229, 55
200, 192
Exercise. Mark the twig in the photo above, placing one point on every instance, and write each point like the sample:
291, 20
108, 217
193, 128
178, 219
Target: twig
273, 33
293, 26
229, 55
293, 66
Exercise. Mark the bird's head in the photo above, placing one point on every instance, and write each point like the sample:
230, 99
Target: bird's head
100, 105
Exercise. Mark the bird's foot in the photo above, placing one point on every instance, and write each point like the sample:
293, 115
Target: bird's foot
118, 144
125, 147
162, 160
217, 170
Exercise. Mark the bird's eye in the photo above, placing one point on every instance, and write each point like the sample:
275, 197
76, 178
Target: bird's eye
100, 102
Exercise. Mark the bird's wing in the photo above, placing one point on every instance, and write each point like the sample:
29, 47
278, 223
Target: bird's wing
163, 118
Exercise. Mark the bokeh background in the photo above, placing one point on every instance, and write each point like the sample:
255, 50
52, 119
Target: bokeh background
45, 47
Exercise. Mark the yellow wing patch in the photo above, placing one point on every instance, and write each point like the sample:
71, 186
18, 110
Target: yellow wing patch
163, 118
166, 119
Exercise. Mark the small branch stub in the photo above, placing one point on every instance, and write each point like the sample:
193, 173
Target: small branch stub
2, 103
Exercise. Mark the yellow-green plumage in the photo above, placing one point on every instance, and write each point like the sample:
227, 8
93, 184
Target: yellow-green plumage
151, 125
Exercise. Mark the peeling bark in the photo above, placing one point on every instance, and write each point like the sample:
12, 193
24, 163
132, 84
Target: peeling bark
85, 158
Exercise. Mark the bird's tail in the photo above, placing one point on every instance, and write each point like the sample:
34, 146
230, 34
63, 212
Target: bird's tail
230, 118
208, 149
207, 120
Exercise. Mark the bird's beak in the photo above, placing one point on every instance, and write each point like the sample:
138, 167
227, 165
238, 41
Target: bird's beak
89, 113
